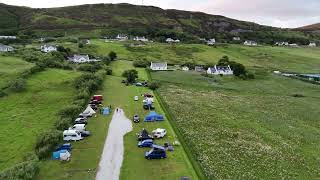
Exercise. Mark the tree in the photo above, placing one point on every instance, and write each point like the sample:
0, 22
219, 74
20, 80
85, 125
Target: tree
131, 75
154, 85
224, 61
238, 69
81, 45
112, 56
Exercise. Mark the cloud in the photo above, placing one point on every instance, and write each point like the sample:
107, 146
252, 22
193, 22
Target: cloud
280, 13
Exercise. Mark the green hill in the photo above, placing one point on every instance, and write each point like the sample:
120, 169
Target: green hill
153, 22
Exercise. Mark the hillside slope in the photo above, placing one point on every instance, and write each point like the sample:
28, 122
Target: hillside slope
312, 27
137, 20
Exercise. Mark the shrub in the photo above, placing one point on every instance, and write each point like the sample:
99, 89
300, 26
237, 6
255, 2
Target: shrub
63, 124
250, 75
47, 142
23, 171
2, 93
18, 85
154, 85
71, 111
108, 71
131, 75
141, 63
112, 56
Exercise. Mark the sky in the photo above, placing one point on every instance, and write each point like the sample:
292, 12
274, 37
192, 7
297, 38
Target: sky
278, 13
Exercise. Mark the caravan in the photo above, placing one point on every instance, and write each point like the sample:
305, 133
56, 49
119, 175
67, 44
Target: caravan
72, 135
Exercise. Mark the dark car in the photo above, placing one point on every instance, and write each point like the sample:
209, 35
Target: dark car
66, 146
81, 121
85, 133
136, 118
157, 152
145, 143
85, 115
95, 102
144, 135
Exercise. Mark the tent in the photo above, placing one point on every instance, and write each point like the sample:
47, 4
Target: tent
105, 111
153, 116
61, 155
89, 110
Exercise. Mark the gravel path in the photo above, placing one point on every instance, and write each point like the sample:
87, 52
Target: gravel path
112, 156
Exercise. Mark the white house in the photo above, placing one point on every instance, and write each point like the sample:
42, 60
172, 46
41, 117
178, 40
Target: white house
312, 44
5, 48
122, 37
81, 59
211, 42
198, 68
282, 44
185, 68
170, 40
236, 38
142, 39
250, 43
8, 37
159, 66
293, 45
48, 48
217, 70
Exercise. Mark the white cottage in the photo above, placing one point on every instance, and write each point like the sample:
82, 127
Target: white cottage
250, 43
81, 59
312, 44
217, 70
48, 48
236, 38
282, 44
142, 39
159, 66
5, 48
170, 40
185, 68
199, 69
8, 37
122, 37
211, 42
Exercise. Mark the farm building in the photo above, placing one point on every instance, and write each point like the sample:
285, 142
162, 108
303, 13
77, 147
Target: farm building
8, 37
5, 48
122, 37
294, 45
250, 43
48, 48
199, 69
159, 66
81, 59
281, 44
185, 68
217, 70
142, 39
236, 38
312, 44
211, 42
170, 40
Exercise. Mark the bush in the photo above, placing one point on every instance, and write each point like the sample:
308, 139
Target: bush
250, 76
47, 142
141, 63
63, 124
131, 75
2, 93
18, 85
108, 71
112, 56
23, 171
154, 85
70, 111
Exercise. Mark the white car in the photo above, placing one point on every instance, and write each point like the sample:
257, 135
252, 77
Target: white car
136, 98
79, 127
72, 135
159, 133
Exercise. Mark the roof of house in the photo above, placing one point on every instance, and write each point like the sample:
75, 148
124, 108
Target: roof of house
77, 57
158, 64
5, 46
48, 45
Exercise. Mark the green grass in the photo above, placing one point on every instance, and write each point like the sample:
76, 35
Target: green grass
10, 68
269, 58
27, 114
246, 129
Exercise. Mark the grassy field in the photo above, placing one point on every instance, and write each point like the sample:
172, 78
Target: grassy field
10, 68
267, 57
25, 115
247, 129
86, 154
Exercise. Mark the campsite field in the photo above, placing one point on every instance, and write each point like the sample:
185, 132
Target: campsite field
26, 114
10, 68
253, 129
86, 154
265, 57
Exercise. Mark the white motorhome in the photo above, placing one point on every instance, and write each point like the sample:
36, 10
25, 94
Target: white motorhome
79, 127
72, 135
159, 133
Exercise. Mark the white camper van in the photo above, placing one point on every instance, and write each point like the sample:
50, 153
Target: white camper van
72, 135
79, 127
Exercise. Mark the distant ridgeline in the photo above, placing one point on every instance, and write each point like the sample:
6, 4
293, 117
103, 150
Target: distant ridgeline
100, 20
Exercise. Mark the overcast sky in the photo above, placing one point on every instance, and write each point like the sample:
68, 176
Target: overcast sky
280, 13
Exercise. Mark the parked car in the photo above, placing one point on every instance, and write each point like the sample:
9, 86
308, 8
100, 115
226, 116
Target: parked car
139, 84
85, 133
159, 133
66, 146
157, 152
79, 127
96, 102
81, 121
72, 135
94, 106
97, 97
145, 143
85, 115
136, 118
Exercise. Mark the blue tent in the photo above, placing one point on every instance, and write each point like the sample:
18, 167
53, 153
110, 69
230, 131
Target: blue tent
106, 111
56, 155
153, 116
